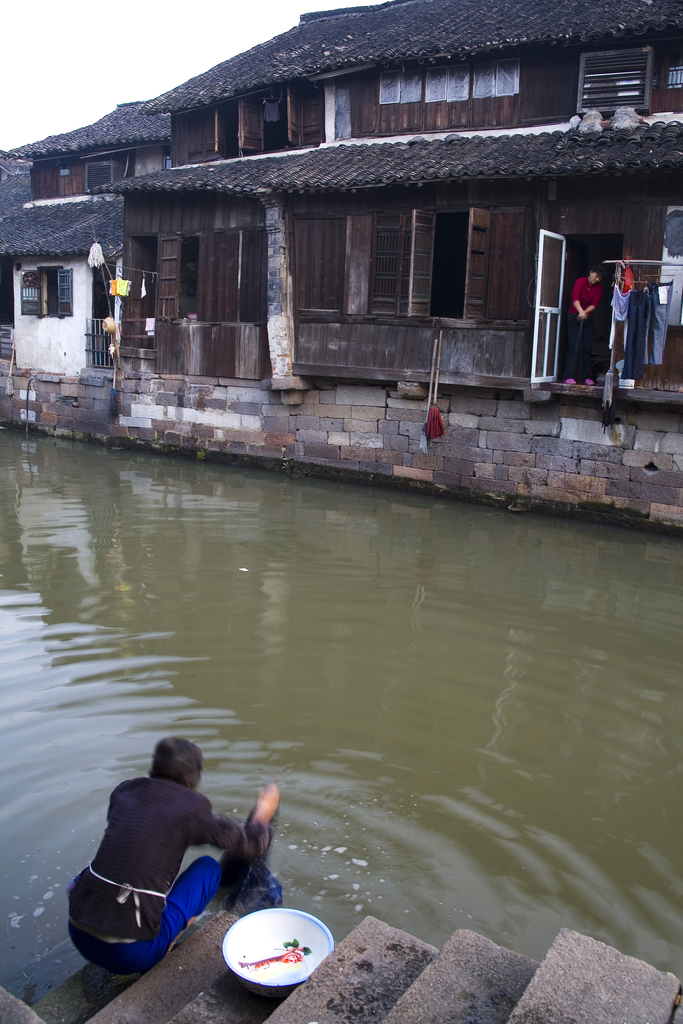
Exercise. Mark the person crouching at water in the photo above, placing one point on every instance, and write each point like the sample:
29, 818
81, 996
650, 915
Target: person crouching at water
127, 908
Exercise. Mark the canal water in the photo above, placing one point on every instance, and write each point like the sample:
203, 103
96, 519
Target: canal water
474, 716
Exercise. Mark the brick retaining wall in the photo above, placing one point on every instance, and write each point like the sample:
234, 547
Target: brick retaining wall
548, 453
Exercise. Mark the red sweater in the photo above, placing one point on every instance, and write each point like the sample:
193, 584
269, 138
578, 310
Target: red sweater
587, 294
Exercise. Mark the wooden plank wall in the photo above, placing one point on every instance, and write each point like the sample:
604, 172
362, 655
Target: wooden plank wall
213, 350
394, 349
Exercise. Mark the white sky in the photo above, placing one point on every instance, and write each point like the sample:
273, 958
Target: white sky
64, 66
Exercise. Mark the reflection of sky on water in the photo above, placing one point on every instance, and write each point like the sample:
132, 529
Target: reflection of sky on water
474, 717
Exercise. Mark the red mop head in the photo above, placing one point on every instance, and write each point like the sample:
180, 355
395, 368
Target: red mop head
434, 425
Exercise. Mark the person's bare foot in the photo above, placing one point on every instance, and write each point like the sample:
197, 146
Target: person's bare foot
191, 921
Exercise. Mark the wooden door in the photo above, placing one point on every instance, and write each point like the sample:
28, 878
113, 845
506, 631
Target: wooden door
549, 286
169, 276
421, 262
506, 264
477, 263
358, 262
250, 124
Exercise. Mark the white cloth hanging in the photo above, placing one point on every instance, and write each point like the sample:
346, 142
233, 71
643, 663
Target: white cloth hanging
143, 290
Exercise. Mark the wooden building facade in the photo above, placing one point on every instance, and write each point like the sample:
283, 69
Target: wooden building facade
380, 234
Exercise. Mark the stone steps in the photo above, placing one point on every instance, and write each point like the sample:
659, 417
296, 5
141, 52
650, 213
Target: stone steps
382, 974
582, 981
471, 980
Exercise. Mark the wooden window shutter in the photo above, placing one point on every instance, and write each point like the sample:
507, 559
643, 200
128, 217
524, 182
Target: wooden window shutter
206, 278
421, 261
320, 246
169, 277
312, 121
615, 78
64, 293
250, 124
386, 264
294, 132
358, 262
477, 262
506, 263
227, 278
251, 278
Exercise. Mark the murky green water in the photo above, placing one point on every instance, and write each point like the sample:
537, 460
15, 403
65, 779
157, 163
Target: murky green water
475, 717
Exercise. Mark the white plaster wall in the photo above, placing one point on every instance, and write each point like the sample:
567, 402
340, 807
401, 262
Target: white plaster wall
148, 159
50, 343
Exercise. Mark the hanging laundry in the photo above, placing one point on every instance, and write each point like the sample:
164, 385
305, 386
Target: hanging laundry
638, 325
628, 282
271, 110
149, 326
660, 298
143, 290
619, 313
119, 286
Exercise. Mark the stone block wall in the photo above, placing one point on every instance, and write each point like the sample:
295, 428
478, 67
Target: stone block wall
531, 449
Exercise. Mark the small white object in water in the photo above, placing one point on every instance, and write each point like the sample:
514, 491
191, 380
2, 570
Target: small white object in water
48, 895
341, 849
360, 863
326, 849
293, 846
355, 885
333, 876
38, 911
244, 570
14, 920
358, 907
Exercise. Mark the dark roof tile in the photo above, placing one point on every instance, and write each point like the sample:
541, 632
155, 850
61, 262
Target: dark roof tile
417, 28
122, 127
14, 192
63, 229
374, 164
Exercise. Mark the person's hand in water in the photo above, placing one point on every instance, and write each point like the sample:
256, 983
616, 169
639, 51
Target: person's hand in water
266, 805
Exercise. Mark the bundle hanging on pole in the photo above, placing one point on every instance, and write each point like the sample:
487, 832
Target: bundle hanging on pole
95, 256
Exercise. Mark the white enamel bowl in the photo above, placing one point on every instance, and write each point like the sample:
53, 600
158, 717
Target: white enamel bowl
261, 936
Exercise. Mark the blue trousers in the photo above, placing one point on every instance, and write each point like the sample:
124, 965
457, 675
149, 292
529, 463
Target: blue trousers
188, 897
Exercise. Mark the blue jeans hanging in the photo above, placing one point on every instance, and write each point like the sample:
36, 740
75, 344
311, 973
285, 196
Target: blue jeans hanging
638, 322
659, 314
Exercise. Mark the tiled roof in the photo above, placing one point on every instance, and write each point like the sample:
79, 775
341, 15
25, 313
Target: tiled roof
418, 28
125, 126
14, 192
372, 164
63, 229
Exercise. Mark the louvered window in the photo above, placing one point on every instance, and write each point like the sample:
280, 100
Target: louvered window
98, 172
615, 78
64, 293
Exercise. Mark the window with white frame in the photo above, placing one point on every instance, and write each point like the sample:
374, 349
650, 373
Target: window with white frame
675, 77
448, 84
615, 78
496, 78
400, 87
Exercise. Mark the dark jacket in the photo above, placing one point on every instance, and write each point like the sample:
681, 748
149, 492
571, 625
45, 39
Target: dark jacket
150, 824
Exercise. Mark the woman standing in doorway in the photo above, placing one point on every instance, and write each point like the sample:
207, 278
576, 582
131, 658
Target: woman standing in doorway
586, 295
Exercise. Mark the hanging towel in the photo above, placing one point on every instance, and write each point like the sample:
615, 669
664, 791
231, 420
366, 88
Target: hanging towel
143, 290
119, 286
271, 110
149, 326
619, 313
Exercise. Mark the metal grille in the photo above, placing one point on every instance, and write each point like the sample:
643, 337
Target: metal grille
615, 78
30, 301
96, 345
386, 263
5, 342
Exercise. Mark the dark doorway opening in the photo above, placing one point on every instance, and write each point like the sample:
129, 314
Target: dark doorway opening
6, 293
189, 271
583, 253
450, 265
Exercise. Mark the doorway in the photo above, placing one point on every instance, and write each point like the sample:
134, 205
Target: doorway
450, 265
583, 253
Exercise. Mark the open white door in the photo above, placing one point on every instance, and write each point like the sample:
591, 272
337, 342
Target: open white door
549, 285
